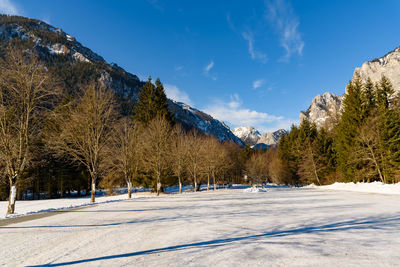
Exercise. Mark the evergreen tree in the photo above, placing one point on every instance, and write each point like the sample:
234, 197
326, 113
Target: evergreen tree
348, 129
143, 111
387, 127
152, 102
393, 143
161, 105
368, 98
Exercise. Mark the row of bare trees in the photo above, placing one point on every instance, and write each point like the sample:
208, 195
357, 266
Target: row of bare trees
163, 151
87, 129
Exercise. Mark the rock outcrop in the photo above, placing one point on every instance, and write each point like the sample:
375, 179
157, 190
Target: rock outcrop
388, 65
322, 107
271, 138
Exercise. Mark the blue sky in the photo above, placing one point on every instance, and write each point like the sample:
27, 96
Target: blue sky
245, 62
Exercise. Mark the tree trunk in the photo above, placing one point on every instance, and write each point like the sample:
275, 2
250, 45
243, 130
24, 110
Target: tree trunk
93, 192
11, 200
158, 185
215, 185
129, 189
313, 163
208, 182
180, 184
195, 184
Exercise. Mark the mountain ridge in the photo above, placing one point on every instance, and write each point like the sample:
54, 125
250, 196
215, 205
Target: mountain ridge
252, 137
58, 47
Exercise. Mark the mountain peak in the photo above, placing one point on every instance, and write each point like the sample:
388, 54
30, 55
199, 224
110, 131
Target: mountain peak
322, 107
248, 134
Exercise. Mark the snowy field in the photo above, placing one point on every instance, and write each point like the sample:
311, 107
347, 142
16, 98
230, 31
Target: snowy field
280, 227
374, 187
25, 207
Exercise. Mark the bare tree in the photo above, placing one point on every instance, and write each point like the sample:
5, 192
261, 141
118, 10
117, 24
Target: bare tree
195, 147
84, 128
310, 164
156, 143
25, 91
214, 159
257, 168
179, 153
368, 151
123, 152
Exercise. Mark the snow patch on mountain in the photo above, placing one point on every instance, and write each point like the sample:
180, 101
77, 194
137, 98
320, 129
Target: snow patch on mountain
248, 134
191, 117
252, 137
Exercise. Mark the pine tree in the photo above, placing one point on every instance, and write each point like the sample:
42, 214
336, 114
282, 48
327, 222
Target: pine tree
368, 98
161, 106
348, 129
143, 111
387, 126
152, 102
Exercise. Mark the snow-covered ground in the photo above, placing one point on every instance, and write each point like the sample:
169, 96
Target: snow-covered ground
254, 190
26, 207
375, 187
280, 227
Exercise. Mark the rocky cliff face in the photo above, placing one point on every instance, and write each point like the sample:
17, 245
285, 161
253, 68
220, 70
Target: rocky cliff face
322, 107
388, 65
271, 138
53, 44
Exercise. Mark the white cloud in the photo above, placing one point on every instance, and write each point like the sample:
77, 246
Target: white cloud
207, 71
178, 68
236, 115
173, 92
258, 83
209, 67
229, 20
248, 36
6, 7
281, 15
156, 4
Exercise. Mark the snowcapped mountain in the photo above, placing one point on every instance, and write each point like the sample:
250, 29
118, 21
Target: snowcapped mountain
327, 106
58, 47
247, 134
252, 137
